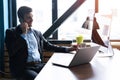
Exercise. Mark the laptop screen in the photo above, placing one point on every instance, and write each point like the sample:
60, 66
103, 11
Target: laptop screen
101, 34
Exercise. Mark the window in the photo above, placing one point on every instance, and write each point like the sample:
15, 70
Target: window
42, 13
107, 17
72, 27
62, 8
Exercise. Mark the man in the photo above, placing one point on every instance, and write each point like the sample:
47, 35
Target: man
25, 46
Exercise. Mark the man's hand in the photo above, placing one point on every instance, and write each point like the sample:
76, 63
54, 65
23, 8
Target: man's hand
24, 27
73, 48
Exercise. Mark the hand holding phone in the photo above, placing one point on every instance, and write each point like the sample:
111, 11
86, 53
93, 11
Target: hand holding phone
24, 27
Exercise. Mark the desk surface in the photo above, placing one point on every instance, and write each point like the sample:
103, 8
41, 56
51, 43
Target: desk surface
100, 68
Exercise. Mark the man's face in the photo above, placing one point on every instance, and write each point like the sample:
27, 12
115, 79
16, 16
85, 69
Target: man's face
28, 18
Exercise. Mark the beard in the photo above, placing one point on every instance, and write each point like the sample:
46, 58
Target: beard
30, 25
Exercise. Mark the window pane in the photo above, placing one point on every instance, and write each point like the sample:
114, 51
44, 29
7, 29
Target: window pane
63, 5
72, 27
42, 13
109, 14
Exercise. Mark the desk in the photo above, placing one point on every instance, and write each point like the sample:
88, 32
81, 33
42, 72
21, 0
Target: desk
100, 68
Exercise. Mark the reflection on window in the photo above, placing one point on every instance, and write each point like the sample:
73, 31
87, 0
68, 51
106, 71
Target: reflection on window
42, 13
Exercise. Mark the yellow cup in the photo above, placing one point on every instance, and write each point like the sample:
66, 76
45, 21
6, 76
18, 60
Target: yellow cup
79, 39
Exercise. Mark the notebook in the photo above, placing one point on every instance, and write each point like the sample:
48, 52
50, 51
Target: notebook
81, 56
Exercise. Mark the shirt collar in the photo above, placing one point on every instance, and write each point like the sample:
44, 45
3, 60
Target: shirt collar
30, 30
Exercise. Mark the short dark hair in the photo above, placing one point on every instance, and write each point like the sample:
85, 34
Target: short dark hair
23, 10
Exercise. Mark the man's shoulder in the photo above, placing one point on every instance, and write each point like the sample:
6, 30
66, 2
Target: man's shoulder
10, 29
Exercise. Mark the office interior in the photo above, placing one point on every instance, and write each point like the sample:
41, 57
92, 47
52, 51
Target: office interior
56, 22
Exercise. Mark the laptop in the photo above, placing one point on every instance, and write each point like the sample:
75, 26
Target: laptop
81, 56
105, 37
106, 51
